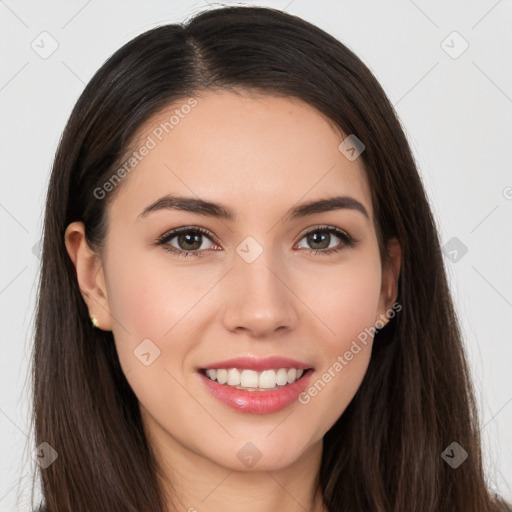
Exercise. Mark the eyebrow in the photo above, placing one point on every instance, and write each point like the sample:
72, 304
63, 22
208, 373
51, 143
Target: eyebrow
207, 208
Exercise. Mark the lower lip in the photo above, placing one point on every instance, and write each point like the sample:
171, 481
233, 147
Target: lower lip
257, 402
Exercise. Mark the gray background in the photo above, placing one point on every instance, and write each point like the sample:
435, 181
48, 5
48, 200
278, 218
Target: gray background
456, 110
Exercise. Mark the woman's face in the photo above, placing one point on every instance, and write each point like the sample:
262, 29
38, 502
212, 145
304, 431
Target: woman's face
251, 286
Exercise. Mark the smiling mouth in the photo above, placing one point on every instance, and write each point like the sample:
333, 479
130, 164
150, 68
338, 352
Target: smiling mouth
251, 380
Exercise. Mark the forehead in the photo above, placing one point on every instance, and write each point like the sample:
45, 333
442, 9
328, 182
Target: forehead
255, 151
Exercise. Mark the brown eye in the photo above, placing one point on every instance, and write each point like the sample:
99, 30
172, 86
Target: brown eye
189, 241
318, 241
322, 240
186, 241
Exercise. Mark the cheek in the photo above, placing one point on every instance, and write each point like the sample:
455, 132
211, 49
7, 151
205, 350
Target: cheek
146, 296
348, 308
346, 351
149, 304
151, 298
348, 303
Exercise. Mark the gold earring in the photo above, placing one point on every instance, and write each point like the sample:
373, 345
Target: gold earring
94, 321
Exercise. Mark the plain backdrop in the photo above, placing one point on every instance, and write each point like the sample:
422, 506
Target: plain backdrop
446, 66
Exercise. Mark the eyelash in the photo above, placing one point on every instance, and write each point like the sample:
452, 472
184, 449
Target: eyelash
347, 241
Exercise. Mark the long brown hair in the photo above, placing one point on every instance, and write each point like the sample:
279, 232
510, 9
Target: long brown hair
385, 451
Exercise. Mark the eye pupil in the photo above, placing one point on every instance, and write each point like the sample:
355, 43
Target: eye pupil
314, 237
186, 238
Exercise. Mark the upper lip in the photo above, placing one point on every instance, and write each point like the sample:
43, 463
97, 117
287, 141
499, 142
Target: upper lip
258, 364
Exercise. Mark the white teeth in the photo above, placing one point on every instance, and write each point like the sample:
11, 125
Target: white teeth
252, 380
267, 379
248, 378
233, 377
281, 377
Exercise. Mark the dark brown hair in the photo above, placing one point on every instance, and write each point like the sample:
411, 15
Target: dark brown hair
384, 452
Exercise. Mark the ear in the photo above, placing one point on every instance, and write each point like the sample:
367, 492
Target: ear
390, 275
89, 273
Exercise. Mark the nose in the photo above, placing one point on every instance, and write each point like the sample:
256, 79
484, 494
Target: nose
258, 298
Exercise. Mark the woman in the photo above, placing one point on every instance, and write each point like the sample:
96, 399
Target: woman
243, 303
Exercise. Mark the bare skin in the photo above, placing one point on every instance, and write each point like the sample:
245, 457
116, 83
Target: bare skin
259, 156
